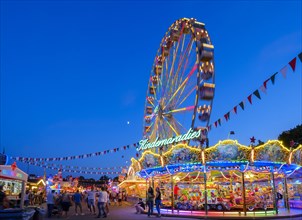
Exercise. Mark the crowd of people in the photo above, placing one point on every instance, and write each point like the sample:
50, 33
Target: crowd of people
96, 200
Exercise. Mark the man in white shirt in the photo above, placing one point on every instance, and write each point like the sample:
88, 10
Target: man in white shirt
103, 197
91, 200
50, 202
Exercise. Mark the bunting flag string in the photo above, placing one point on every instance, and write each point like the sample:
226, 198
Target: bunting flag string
256, 93
73, 167
76, 171
83, 156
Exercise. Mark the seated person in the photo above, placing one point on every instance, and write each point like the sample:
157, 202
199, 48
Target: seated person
140, 206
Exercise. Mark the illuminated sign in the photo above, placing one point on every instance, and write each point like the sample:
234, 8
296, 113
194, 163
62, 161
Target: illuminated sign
145, 144
10, 173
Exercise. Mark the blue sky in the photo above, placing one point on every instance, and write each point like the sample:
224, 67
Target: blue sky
73, 73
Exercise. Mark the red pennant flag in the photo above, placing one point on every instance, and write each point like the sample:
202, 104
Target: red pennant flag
250, 98
265, 82
235, 109
226, 116
215, 123
292, 64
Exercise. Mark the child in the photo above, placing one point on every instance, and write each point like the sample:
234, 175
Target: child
140, 206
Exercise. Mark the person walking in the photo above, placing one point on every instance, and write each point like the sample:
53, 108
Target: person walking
113, 196
26, 198
91, 200
107, 203
120, 198
158, 201
77, 198
66, 203
150, 201
102, 202
50, 202
4, 202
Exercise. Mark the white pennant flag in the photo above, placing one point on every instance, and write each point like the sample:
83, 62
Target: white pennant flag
284, 71
263, 89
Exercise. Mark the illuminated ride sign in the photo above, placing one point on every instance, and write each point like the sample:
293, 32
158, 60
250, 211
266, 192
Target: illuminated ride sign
145, 144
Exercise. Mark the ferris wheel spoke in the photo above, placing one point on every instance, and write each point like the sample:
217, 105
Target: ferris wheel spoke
181, 126
168, 123
183, 42
177, 76
185, 98
183, 84
189, 108
175, 52
169, 71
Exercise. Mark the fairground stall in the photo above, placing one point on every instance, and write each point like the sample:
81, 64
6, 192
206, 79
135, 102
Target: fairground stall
225, 177
13, 181
134, 188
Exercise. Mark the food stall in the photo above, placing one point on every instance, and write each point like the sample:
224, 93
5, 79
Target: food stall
13, 181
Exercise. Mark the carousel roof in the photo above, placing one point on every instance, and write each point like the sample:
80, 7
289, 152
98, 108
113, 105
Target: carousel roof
272, 156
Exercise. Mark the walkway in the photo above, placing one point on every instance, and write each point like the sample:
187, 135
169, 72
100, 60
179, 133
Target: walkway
127, 211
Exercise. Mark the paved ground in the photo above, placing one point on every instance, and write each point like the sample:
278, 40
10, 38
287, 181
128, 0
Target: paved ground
124, 212
127, 211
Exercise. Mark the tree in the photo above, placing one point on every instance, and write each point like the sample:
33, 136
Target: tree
115, 179
104, 178
294, 134
81, 178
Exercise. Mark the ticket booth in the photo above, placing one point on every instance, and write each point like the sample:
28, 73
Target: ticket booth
13, 181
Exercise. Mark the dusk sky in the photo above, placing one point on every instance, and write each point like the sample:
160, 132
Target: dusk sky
73, 73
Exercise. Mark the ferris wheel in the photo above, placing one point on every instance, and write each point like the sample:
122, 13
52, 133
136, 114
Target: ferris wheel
181, 86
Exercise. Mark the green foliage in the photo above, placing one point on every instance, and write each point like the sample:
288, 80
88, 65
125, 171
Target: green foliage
81, 178
115, 179
104, 178
294, 134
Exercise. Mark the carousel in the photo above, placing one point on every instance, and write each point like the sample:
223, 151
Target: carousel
225, 177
